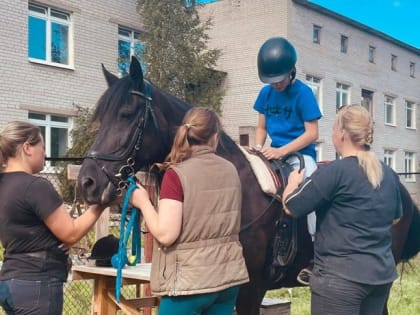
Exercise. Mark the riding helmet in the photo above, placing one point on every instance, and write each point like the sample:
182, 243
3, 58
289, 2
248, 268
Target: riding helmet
103, 250
276, 60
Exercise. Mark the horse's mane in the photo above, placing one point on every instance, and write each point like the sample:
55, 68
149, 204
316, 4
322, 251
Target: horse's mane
412, 244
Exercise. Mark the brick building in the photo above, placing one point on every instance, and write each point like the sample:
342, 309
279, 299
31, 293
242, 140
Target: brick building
344, 62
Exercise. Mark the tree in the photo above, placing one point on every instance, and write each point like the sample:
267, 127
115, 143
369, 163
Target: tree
176, 53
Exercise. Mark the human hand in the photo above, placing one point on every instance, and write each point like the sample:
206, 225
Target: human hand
272, 153
139, 197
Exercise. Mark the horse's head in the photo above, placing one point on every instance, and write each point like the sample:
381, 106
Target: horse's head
136, 129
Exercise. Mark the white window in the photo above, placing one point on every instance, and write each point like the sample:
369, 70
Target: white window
318, 151
344, 43
389, 107
342, 95
410, 115
315, 84
49, 35
129, 45
316, 34
55, 130
371, 55
409, 166
389, 158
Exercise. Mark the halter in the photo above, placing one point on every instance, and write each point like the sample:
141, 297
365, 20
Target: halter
127, 170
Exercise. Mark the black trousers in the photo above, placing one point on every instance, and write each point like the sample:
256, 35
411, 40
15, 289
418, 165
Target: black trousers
332, 295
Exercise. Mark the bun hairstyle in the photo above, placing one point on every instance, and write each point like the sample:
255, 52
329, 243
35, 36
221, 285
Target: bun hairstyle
12, 137
199, 127
358, 124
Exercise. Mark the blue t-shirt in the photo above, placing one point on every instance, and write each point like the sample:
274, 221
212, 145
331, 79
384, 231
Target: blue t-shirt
286, 113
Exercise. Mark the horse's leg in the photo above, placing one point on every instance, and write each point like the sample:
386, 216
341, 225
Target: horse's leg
250, 297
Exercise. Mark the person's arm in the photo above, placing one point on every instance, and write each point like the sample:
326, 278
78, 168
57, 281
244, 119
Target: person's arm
295, 179
165, 224
260, 132
309, 136
68, 230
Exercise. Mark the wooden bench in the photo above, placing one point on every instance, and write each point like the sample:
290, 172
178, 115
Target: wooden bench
270, 306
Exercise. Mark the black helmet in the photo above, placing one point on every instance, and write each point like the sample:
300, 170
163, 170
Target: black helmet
104, 249
276, 59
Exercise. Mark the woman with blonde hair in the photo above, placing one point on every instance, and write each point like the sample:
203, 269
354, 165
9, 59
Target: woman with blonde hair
35, 228
357, 200
197, 263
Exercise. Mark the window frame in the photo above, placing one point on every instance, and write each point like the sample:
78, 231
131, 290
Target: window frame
391, 105
50, 19
409, 166
316, 34
344, 41
412, 69
133, 40
394, 60
371, 54
315, 83
389, 158
364, 96
48, 123
410, 107
340, 90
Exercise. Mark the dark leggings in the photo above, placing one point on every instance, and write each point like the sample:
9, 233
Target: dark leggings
332, 295
216, 303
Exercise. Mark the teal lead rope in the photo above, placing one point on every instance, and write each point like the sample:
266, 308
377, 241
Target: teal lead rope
119, 260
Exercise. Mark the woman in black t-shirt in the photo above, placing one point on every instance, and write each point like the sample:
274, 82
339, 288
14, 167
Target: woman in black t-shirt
357, 200
35, 228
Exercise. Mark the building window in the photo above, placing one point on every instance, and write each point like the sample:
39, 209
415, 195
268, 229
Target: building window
409, 166
367, 100
393, 63
342, 95
389, 158
343, 43
410, 115
315, 84
316, 34
318, 151
389, 107
55, 130
371, 54
129, 45
49, 33
412, 69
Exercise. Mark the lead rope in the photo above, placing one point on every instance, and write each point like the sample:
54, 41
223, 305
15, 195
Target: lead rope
119, 260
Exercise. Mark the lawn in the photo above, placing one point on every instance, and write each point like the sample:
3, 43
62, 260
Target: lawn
404, 300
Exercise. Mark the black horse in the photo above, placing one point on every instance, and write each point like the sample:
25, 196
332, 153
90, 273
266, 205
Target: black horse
137, 126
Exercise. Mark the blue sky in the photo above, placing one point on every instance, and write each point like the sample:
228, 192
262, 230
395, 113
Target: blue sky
397, 18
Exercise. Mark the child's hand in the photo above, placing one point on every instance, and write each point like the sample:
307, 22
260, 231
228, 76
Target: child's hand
296, 177
272, 153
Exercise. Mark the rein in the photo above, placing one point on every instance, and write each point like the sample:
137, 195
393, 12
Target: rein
120, 259
127, 170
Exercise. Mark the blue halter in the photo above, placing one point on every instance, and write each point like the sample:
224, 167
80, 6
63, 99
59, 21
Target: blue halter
119, 260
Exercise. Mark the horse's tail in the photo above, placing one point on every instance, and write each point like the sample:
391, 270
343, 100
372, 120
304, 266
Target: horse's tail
412, 243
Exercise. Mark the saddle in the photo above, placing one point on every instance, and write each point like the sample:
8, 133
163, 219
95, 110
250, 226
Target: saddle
272, 177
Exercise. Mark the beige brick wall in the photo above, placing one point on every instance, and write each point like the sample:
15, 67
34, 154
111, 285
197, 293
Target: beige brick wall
30, 85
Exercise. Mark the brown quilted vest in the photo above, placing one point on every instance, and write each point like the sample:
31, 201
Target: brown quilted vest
207, 256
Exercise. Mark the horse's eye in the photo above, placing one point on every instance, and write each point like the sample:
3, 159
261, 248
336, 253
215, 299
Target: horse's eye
128, 111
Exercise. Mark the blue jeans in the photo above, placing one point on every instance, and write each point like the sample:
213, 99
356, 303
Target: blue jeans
215, 303
32, 297
333, 295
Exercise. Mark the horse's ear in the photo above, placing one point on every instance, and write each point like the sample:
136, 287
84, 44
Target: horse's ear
136, 73
109, 77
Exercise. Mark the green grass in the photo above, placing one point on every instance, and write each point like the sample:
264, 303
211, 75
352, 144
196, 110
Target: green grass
404, 299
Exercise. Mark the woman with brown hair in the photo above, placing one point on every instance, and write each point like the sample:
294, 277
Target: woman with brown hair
197, 263
35, 228
356, 200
